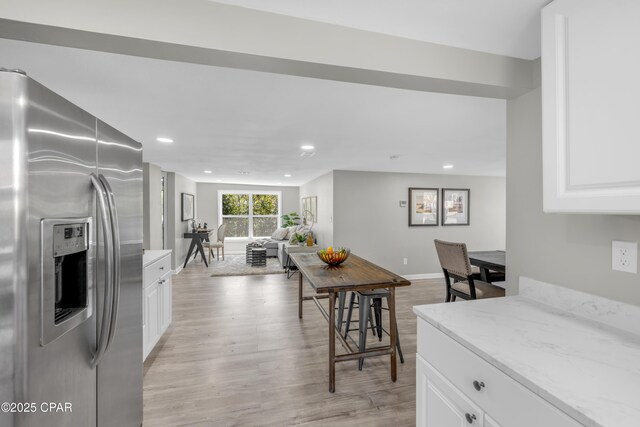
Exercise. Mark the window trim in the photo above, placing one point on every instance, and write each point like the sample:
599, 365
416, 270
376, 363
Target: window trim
250, 215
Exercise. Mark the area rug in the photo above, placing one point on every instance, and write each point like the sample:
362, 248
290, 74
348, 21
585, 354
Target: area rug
235, 265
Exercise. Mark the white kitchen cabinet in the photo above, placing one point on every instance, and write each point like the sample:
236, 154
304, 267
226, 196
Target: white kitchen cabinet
164, 286
157, 310
455, 387
439, 403
590, 109
152, 310
489, 422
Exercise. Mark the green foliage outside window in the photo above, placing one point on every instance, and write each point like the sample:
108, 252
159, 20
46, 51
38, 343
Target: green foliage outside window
235, 204
236, 214
265, 204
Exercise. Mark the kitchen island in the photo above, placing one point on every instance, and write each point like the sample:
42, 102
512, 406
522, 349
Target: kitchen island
550, 356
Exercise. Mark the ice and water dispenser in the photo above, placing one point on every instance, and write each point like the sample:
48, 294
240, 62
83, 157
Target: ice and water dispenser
67, 275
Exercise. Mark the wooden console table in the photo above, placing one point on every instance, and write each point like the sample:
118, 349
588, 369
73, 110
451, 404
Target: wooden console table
355, 274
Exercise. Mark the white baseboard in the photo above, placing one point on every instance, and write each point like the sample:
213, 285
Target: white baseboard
423, 276
181, 266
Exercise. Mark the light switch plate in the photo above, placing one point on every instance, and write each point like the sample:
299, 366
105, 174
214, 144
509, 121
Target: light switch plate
624, 256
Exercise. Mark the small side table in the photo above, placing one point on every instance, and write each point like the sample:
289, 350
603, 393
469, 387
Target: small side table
290, 267
256, 256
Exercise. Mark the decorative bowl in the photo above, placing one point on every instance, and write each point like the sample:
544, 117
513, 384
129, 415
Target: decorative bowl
333, 256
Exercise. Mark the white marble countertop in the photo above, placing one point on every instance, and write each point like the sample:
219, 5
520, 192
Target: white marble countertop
588, 369
152, 256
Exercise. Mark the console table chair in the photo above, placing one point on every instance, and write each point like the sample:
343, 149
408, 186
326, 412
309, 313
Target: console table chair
459, 277
218, 244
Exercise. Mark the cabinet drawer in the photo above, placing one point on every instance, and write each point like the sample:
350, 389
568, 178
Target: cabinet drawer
156, 270
439, 403
504, 399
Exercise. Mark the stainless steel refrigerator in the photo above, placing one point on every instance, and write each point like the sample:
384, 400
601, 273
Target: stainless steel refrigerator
70, 263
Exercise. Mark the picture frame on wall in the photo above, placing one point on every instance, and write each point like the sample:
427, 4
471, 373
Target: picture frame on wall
310, 208
188, 206
423, 207
456, 206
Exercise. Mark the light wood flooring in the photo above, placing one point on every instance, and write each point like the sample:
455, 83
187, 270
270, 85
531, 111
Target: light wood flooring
236, 354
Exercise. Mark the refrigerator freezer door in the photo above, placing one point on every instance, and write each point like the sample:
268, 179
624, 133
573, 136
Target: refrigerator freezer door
13, 265
61, 153
120, 372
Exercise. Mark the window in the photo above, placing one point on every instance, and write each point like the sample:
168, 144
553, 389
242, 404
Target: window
249, 214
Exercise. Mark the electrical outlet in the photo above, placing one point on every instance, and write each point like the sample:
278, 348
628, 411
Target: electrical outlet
404, 261
624, 256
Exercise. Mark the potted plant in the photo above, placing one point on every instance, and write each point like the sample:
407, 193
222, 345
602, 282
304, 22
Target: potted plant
290, 219
301, 238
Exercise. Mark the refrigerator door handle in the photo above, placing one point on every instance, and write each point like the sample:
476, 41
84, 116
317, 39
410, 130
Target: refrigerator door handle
115, 232
107, 236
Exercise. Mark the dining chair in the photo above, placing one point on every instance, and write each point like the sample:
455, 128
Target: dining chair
218, 244
460, 279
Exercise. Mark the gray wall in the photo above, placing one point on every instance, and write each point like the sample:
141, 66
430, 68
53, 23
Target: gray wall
208, 205
322, 188
570, 250
176, 185
151, 207
367, 218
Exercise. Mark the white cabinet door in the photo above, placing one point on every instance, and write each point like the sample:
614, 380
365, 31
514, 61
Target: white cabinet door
489, 422
439, 403
590, 87
152, 302
165, 300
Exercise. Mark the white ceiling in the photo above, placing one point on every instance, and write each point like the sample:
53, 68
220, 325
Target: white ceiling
229, 120
503, 27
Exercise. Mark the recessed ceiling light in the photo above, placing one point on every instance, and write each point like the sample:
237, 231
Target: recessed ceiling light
447, 166
164, 139
207, 171
287, 175
307, 147
244, 172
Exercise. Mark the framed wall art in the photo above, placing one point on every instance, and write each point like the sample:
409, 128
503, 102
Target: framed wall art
455, 206
188, 205
310, 206
423, 207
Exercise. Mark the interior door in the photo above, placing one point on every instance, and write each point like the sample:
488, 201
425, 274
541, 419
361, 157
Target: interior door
120, 372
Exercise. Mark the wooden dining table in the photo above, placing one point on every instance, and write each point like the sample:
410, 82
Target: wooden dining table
488, 260
355, 274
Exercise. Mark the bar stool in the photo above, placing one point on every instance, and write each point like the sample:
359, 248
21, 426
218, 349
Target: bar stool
367, 300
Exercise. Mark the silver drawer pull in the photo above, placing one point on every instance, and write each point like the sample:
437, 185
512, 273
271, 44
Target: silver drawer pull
478, 385
470, 417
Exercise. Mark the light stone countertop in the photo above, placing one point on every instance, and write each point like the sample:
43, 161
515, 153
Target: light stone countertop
152, 256
586, 368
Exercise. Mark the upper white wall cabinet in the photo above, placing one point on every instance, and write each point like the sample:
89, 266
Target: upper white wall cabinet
591, 106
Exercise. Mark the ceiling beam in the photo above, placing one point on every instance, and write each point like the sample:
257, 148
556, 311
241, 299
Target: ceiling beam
209, 33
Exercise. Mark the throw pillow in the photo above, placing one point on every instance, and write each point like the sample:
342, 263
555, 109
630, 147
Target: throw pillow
291, 231
280, 234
